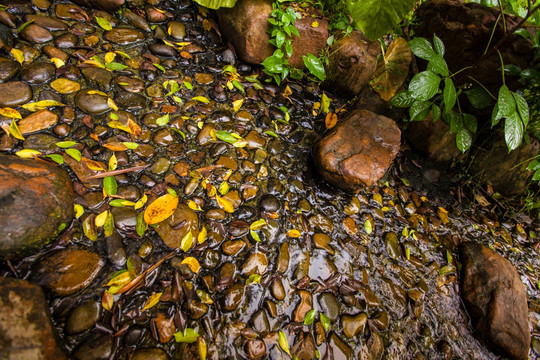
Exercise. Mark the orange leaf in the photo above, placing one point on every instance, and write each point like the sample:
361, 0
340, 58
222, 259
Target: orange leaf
225, 204
65, 86
10, 113
192, 263
115, 146
93, 165
107, 300
294, 233
331, 120
135, 128
160, 209
185, 55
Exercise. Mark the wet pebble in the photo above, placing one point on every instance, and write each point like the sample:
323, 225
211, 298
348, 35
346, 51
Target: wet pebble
36, 34
160, 166
322, 241
177, 30
340, 349
95, 348
150, 354
255, 349
38, 73
129, 84
124, 35
269, 203
257, 263
329, 305
83, 317
353, 325
40, 142
38, 121
125, 219
8, 69
47, 22
162, 50
305, 305
233, 297
98, 78
14, 93
66, 41
91, 103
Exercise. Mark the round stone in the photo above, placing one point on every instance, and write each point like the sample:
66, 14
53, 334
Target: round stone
124, 36
38, 73
91, 102
83, 317
14, 93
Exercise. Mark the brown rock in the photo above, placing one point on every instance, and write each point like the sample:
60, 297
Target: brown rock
358, 151
246, 26
36, 199
14, 93
47, 22
35, 33
25, 322
173, 229
506, 172
68, 271
305, 305
255, 349
352, 62
107, 5
496, 299
304, 346
433, 138
38, 121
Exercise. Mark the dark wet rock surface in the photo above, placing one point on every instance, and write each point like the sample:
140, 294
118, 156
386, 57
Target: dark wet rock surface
258, 241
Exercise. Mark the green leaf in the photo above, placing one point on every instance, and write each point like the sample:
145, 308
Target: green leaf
438, 44
325, 104
402, 99
310, 317
109, 185
513, 131
506, 102
463, 139
116, 66
226, 136
216, 4
533, 165
495, 115
271, 133
140, 225
325, 321
56, 158
422, 48
163, 120
104, 23
438, 65
273, 64
74, 153
449, 94
435, 112
470, 122
376, 18
130, 145
66, 144
108, 227
419, 110
536, 175
478, 97
456, 121
187, 336
237, 84
424, 85
314, 66
522, 108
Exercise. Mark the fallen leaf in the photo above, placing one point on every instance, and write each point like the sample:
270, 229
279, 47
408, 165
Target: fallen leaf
331, 120
65, 86
160, 209
18, 55
152, 301
192, 263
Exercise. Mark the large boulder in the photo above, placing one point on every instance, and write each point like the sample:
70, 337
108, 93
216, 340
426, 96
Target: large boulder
352, 62
434, 139
506, 172
246, 27
466, 30
496, 299
36, 203
358, 151
26, 331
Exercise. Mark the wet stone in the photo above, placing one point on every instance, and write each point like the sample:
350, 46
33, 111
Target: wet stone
68, 271
14, 93
162, 50
305, 305
125, 219
38, 121
130, 101
255, 349
173, 229
8, 69
38, 73
47, 22
304, 346
69, 12
124, 36
257, 263
340, 349
269, 203
83, 317
163, 137
40, 142
150, 354
161, 166
66, 41
177, 30
233, 297
353, 325
91, 103
53, 52
36, 34
97, 347
329, 305
98, 78
129, 84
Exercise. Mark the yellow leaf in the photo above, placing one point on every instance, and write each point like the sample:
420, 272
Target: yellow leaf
58, 62
392, 69
113, 163
283, 343
206, 25
160, 209
18, 55
27, 153
41, 105
120, 279
315, 24
10, 113
109, 57
210, 190
237, 104
15, 131
107, 300
186, 242
203, 350
192, 263
79, 210
257, 225
112, 104
140, 203
93, 165
135, 128
202, 235
152, 300
201, 99
287, 91
225, 204
96, 92
65, 86
101, 218
193, 205
294, 233
95, 63
223, 188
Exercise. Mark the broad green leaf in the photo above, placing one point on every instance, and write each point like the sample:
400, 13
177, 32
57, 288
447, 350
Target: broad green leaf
419, 110
226, 136
325, 321
110, 187
163, 120
283, 343
314, 66
159, 67
254, 279
424, 85
56, 158
121, 203
478, 97
513, 131
216, 4
271, 133
376, 18
536, 175
422, 48
470, 122
310, 317
66, 144
438, 65
505, 102
187, 336
522, 108
449, 94
455, 121
438, 44
130, 145
104, 23
402, 99
140, 225
116, 66
463, 139
533, 165
495, 115
435, 112
273, 64
74, 153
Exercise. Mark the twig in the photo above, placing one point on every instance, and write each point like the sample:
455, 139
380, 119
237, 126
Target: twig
118, 172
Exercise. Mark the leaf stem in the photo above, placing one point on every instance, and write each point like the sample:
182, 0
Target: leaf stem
502, 66
483, 87
460, 70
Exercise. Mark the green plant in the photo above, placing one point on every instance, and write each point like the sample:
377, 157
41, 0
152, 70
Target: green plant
216, 4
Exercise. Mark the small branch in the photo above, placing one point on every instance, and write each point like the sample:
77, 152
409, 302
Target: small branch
117, 172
